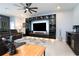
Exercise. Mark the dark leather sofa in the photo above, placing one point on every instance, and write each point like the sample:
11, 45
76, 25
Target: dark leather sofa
6, 34
3, 47
14, 33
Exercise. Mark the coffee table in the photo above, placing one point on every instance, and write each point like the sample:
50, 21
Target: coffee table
29, 50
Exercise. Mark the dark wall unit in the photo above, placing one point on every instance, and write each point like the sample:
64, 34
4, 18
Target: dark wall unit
28, 26
4, 23
52, 24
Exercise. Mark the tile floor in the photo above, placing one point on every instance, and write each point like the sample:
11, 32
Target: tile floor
53, 47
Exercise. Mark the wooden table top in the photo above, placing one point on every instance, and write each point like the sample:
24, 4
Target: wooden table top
28, 50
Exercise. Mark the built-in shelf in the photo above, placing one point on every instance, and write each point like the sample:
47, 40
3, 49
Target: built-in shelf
52, 23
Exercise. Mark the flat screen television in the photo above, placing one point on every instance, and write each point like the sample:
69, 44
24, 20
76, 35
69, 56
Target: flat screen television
39, 27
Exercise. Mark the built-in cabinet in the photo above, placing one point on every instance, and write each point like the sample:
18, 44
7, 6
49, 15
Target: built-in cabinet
4, 23
52, 24
73, 41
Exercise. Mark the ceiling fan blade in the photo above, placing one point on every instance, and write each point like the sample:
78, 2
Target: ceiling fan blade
33, 10
28, 4
25, 11
17, 5
30, 11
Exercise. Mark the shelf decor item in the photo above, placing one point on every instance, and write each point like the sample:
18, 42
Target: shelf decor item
76, 28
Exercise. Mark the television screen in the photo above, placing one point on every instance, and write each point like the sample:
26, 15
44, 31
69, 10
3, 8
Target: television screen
39, 26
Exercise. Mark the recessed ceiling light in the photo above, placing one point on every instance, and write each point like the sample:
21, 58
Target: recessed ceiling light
58, 7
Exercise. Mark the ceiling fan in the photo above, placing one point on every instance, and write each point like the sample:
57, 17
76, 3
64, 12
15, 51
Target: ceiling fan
27, 7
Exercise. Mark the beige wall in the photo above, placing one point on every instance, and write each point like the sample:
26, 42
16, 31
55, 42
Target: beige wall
19, 24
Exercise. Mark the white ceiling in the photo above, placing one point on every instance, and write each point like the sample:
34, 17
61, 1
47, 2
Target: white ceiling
12, 10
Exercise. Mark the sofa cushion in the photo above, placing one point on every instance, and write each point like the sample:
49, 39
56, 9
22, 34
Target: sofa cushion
3, 47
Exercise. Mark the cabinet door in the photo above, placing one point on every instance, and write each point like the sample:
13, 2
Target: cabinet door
5, 24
